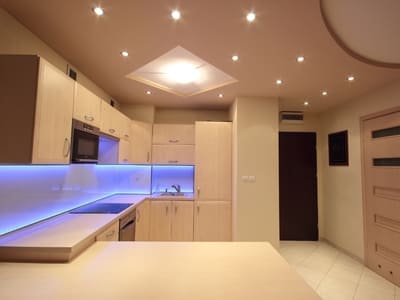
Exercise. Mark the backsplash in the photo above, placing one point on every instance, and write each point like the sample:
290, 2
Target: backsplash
32, 193
163, 177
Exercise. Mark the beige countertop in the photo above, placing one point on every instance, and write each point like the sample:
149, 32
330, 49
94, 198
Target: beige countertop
160, 270
63, 237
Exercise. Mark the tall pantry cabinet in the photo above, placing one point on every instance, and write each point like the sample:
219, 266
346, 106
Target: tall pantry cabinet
213, 181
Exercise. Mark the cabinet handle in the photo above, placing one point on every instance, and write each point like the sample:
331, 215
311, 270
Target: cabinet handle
89, 118
138, 216
173, 161
176, 209
126, 135
125, 160
110, 234
68, 145
148, 156
111, 130
198, 191
173, 141
166, 210
198, 209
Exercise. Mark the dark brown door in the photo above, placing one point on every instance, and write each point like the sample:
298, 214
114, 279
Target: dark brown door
298, 210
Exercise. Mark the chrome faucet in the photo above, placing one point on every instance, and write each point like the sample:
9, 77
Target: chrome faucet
177, 187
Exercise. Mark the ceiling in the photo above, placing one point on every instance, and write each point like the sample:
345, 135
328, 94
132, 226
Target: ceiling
214, 31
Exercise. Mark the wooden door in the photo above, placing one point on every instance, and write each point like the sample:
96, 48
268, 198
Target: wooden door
53, 119
173, 134
298, 209
142, 221
141, 133
87, 106
160, 220
124, 152
213, 160
212, 221
182, 221
381, 162
173, 154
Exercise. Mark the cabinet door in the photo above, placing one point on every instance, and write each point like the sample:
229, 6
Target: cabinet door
173, 154
124, 126
142, 221
160, 220
182, 221
141, 142
124, 152
87, 106
213, 174
109, 234
172, 134
109, 120
53, 120
212, 221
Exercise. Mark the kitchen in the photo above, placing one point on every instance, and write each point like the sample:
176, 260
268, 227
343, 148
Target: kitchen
255, 126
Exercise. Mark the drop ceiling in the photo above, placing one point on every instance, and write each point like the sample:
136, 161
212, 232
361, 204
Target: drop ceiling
212, 31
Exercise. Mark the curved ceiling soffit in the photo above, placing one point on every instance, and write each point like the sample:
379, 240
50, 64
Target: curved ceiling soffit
379, 47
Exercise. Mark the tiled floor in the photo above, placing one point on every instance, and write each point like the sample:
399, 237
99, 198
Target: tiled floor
335, 275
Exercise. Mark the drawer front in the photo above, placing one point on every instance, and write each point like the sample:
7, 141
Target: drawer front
173, 154
110, 234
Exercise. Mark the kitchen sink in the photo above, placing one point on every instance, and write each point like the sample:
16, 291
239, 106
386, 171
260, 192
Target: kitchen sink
172, 194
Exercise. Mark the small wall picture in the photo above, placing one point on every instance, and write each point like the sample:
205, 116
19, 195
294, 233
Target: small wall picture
338, 148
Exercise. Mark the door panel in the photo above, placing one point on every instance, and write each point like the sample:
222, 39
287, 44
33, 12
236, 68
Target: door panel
298, 210
160, 220
381, 148
182, 221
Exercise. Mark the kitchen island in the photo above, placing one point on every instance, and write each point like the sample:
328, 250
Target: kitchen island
160, 270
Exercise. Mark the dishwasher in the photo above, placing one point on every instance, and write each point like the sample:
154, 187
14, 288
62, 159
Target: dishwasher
127, 226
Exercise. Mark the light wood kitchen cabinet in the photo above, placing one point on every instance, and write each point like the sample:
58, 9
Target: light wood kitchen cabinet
160, 220
141, 135
36, 114
213, 149
182, 221
142, 221
111, 233
124, 152
87, 106
173, 134
212, 221
175, 155
124, 126
110, 120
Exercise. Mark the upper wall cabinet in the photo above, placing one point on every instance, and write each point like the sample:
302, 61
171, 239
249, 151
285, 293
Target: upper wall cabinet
173, 134
110, 120
87, 106
141, 133
36, 114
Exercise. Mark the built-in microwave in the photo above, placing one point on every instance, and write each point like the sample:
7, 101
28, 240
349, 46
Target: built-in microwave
85, 143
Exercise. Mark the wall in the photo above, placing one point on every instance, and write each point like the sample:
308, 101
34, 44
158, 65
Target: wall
255, 150
17, 39
29, 194
312, 123
342, 189
187, 116
139, 112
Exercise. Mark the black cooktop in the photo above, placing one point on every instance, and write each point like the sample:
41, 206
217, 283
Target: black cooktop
101, 208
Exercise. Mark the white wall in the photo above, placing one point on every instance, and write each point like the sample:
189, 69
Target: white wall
342, 187
255, 152
187, 116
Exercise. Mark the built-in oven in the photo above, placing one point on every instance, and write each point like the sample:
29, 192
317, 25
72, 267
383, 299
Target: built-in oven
85, 143
127, 226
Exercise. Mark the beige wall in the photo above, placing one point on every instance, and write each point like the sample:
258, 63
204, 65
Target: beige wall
186, 116
17, 39
342, 194
139, 112
256, 212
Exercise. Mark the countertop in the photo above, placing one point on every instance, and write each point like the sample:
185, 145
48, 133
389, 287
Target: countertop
61, 238
160, 270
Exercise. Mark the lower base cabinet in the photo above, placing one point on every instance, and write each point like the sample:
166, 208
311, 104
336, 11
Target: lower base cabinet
212, 221
111, 233
142, 221
182, 221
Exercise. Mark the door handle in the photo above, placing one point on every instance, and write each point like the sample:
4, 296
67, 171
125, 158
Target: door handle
138, 216
176, 209
68, 144
148, 156
198, 209
166, 210
89, 118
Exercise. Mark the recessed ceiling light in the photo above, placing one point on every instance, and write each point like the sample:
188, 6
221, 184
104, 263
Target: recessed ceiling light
98, 11
235, 57
182, 73
148, 92
324, 93
350, 78
305, 103
220, 96
176, 14
124, 53
251, 16
279, 81
300, 59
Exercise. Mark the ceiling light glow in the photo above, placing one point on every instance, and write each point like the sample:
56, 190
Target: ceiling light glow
279, 81
176, 14
251, 16
350, 78
220, 96
235, 57
98, 11
124, 53
148, 92
306, 103
182, 73
324, 93
300, 59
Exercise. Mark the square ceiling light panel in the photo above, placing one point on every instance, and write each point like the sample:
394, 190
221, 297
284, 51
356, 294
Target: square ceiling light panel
182, 73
